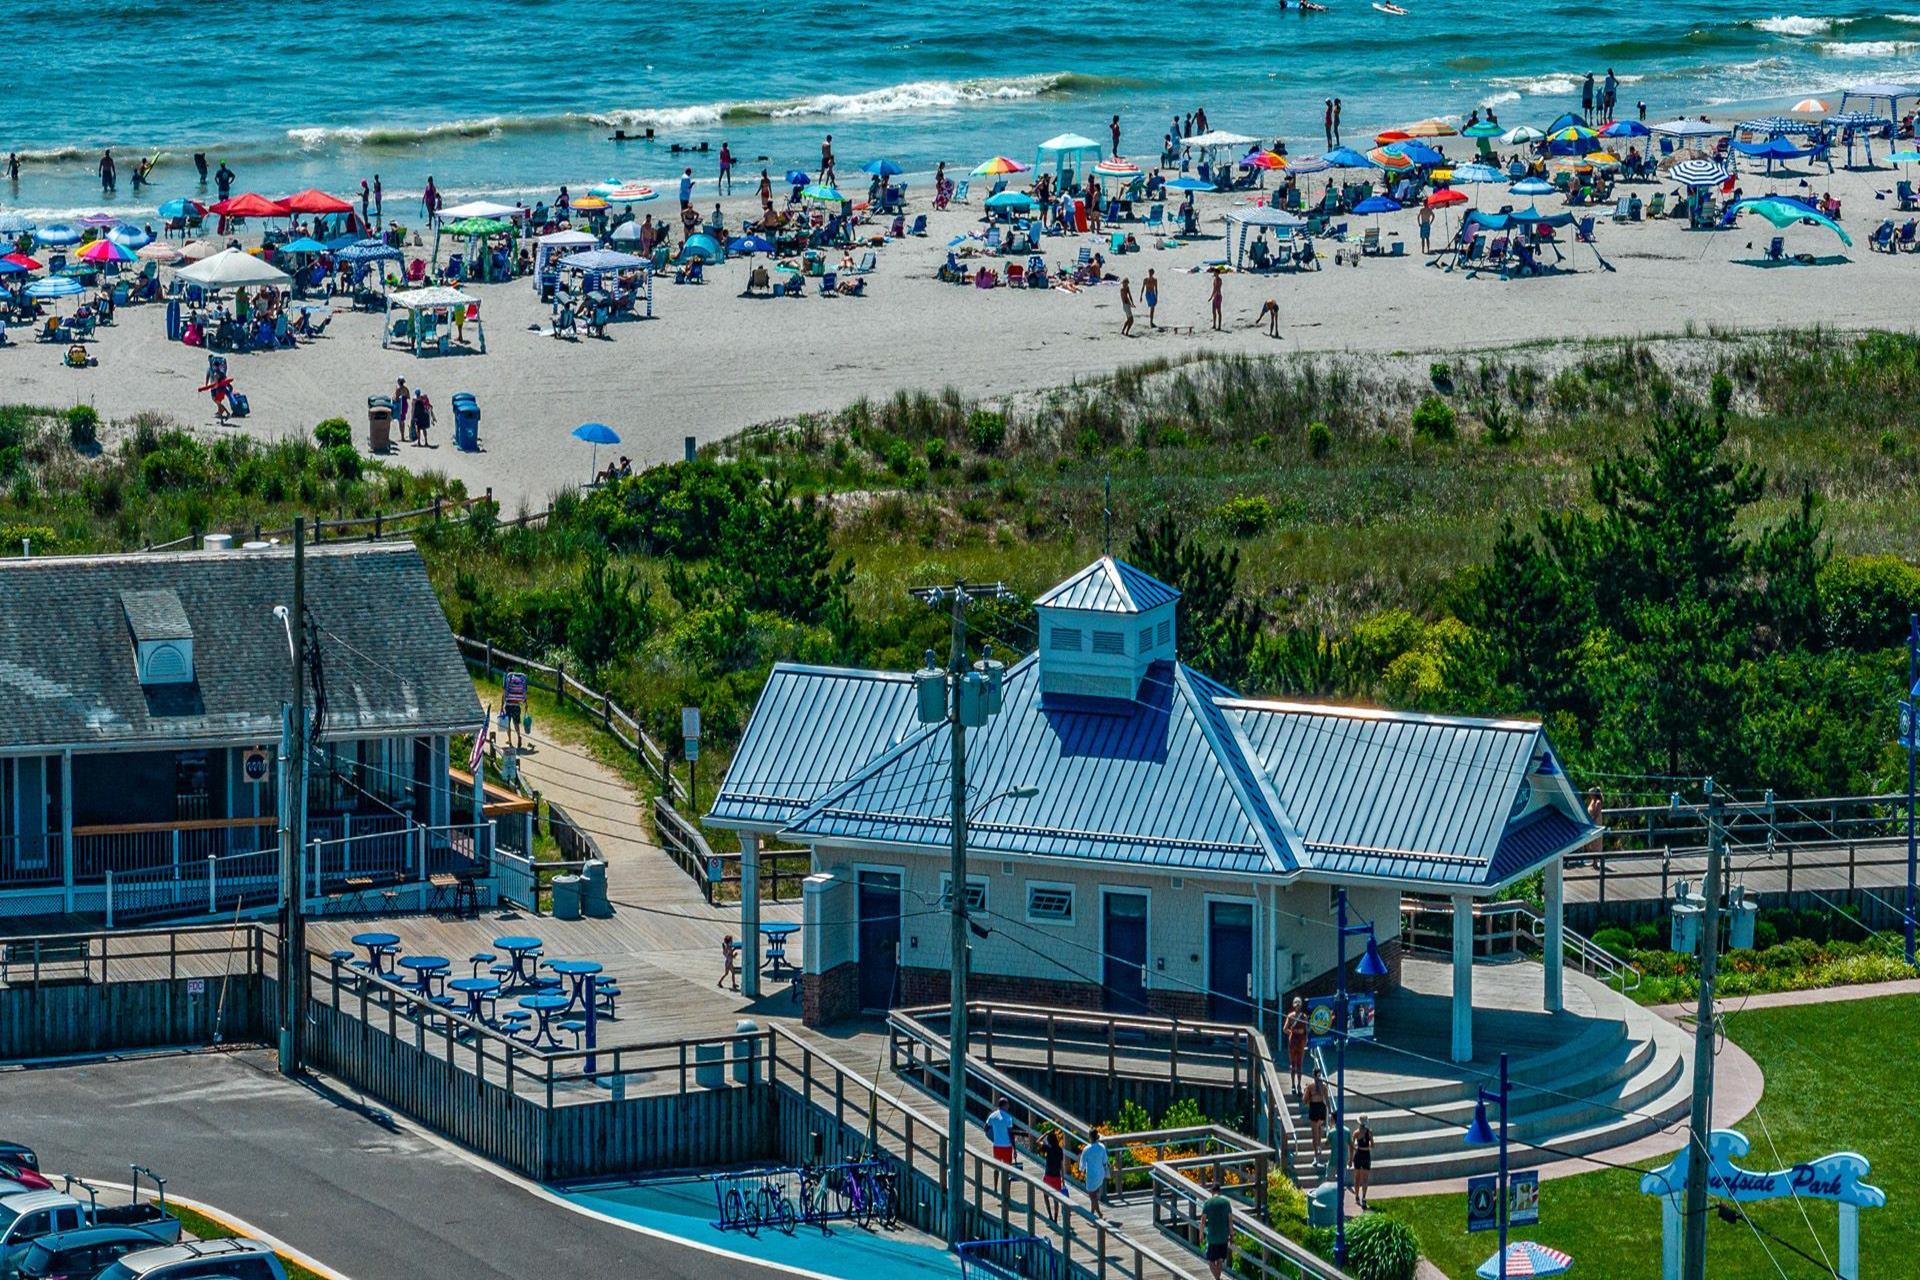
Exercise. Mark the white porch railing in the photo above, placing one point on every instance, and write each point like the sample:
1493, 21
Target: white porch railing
1509, 927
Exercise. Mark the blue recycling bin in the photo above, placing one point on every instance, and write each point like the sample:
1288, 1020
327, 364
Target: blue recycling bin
466, 422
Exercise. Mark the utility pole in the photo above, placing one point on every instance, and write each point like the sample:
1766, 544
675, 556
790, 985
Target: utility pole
1910, 735
966, 699
293, 822
1700, 1123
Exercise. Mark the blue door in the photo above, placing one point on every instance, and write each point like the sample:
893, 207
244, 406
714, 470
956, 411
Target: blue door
1124, 947
1230, 961
879, 914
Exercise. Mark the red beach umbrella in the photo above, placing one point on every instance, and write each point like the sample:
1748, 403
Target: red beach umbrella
313, 200
22, 260
1442, 198
250, 205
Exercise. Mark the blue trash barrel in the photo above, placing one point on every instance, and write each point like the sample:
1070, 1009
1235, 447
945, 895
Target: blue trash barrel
466, 421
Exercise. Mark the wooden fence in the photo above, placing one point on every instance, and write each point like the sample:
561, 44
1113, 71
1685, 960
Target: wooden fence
381, 526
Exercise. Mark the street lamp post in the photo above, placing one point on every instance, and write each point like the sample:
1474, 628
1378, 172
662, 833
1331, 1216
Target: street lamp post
1480, 1135
1370, 966
1912, 735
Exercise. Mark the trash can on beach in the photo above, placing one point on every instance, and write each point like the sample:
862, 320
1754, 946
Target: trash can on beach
466, 422
379, 424
566, 897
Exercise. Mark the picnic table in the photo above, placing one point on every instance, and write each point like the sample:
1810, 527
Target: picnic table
378, 947
775, 965
576, 972
425, 969
476, 990
518, 948
544, 1007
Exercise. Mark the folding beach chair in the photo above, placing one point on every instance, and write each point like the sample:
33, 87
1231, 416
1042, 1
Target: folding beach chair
1904, 191
919, 227
1622, 209
1904, 241
1777, 249
960, 192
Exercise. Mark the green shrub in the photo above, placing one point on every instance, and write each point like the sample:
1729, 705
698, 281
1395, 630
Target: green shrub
1246, 515
1502, 423
342, 460
1618, 941
1319, 439
1865, 600
1381, 1247
334, 431
1890, 443
83, 426
1441, 374
986, 430
1261, 443
1185, 1113
1433, 418
1720, 393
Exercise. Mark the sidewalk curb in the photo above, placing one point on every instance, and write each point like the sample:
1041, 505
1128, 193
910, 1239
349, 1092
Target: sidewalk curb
241, 1227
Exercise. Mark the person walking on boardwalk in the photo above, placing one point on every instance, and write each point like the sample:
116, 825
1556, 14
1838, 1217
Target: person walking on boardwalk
1093, 1170
1293, 1034
1218, 1215
1315, 1096
729, 963
513, 705
1000, 1127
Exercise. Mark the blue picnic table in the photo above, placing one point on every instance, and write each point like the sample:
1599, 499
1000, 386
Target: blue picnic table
476, 990
518, 947
576, 972
544, 1007
378, 947
424, 970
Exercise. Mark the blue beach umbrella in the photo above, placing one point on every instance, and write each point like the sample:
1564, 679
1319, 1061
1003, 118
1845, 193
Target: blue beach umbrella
704, 248
1009, 200
1625, 129
1346, 158
749, 244
1186, 182
181, 208
883, 168
797, 178
1531, 187
128, 236
55, 287
1469, 174
12, 224
8, 268
596, 434
58, 234
1418, 152
1377, 204
305, 244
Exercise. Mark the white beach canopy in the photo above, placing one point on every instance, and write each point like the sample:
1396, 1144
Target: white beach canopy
1218, 138
1683, 128
1065, 151
482, 209
234, 269
1240, 221
424, 323
557, 244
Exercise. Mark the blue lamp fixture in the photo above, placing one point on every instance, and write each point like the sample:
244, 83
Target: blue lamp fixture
1480, 1134
1370, 966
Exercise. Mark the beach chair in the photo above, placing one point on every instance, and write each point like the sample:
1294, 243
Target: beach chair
1037, 272
1903, 243
1657, 207
919, 227
1157, 218
456, 264
794, 287
992, 239
1583, 233
1884, 238
1116, 243
1305, 259
1728, 216
960, 192
1903, 191
1777, 249
868, 261
829, 284
1085, 257
1370, 241
1016, 275
1282, 254
1623, 209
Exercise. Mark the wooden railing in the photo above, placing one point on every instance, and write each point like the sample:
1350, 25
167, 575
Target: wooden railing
720, 873
136, 955
378, 527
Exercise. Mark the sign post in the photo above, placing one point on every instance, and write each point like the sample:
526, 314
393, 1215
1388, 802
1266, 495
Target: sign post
690, 736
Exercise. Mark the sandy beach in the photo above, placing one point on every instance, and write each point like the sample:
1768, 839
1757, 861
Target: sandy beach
712, 362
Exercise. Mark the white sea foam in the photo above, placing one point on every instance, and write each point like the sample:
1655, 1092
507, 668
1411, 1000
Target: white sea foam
1866, 48
1501, 98
1799, 26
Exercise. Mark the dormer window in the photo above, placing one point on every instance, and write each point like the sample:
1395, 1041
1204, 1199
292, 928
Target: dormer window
1086, 621
162, 637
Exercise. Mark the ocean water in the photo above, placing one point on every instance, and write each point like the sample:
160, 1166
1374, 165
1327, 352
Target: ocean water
512, 99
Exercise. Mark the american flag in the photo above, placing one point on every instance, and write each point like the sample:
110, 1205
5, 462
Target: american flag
479, 752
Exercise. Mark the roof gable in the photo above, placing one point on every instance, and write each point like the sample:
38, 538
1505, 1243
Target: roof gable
1109, 586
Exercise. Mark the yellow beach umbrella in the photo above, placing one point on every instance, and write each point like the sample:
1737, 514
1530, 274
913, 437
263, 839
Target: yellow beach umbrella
998, 165
1432, 127
590, 203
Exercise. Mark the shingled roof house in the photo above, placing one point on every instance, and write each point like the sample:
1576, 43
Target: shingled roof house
1142, 838
140, 721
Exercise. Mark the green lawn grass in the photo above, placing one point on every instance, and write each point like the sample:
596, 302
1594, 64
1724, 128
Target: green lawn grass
1831, 1086
201, 1227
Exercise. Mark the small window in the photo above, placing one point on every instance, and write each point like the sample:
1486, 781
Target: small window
1066, 639
1166, 631
1050, 903
976, 892
1114, 642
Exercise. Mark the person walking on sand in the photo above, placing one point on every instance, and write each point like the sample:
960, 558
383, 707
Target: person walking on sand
686, 188
1217, 277
1293, 1028
402, 402
1126, 308
430, 201
1270, 317
729, 963
1150, 294
1218, 1214
422, 419
1114, 129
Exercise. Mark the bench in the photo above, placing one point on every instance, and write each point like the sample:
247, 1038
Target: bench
37, 954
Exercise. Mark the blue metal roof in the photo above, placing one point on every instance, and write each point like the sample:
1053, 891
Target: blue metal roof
1109, 586
1140, 782
813, 728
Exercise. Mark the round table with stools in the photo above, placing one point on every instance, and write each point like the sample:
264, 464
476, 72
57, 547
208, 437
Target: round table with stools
477, 990
425, 969
521, 949
378, 946
576, 972
544, 1007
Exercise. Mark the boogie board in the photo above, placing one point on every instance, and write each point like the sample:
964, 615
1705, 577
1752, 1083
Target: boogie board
1393, 9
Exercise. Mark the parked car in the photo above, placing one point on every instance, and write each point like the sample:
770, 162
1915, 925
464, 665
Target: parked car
200, 1260
19, 1153
81, 1254
30, 1215
22, 1177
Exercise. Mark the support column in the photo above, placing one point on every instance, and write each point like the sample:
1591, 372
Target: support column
1462, 978
1554, 954
750, 915
66, 826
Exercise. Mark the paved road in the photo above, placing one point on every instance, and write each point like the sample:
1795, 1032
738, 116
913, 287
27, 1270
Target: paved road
326, 1175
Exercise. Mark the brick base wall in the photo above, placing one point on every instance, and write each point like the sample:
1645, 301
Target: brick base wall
833, 996
1327, 983
1177, 1002
929, 986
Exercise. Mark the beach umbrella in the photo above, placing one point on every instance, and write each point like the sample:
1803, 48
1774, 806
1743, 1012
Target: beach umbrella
627, 233
1390, 160
1521, 133
601, 188
1602, 159
590, 204
1469, 174
159, 251
882, 168
1785, 213
703, 248
1812, 106
23, 261
1481, 129
1442, 199
1263, 160
11, 268
1382, 138
1431, 127
797, 178
482, 209
1345, 158
1187, 183
313, 200
1625, 129
1531, 187
1013, 200
1905, 157
596, 434
128, 236
105, 251
196, 250
233, 269
304, 245
1117, 168
1308, 164
55, 287
1377, 204
1699, 173
181, 208
1525, 1259
100, 220
630, 193
249, 205
1418, 152
823, 192
997, 165
749, 244
58, 234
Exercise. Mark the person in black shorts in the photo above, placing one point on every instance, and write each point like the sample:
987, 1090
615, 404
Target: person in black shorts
1315, 1096
1362, 1160
1217, 1213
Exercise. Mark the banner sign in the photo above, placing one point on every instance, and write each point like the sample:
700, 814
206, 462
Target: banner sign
1836, 1177
1323, 1019
1523, 1200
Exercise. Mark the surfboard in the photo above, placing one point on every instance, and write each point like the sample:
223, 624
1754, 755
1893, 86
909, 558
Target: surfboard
1393, 9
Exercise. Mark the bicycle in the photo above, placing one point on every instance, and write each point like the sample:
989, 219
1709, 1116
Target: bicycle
774, 1208
884, 1192
813, 1197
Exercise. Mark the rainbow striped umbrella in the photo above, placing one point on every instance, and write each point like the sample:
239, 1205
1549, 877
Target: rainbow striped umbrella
105, 251
1525, 1258
1263, 160
998, 165
1117, 168
1390, 159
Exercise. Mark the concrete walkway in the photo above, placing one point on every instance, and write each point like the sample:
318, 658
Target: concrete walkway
1784, 999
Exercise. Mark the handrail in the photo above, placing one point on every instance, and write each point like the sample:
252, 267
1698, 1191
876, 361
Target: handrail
1575, 945
1174, 1189
182, 824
